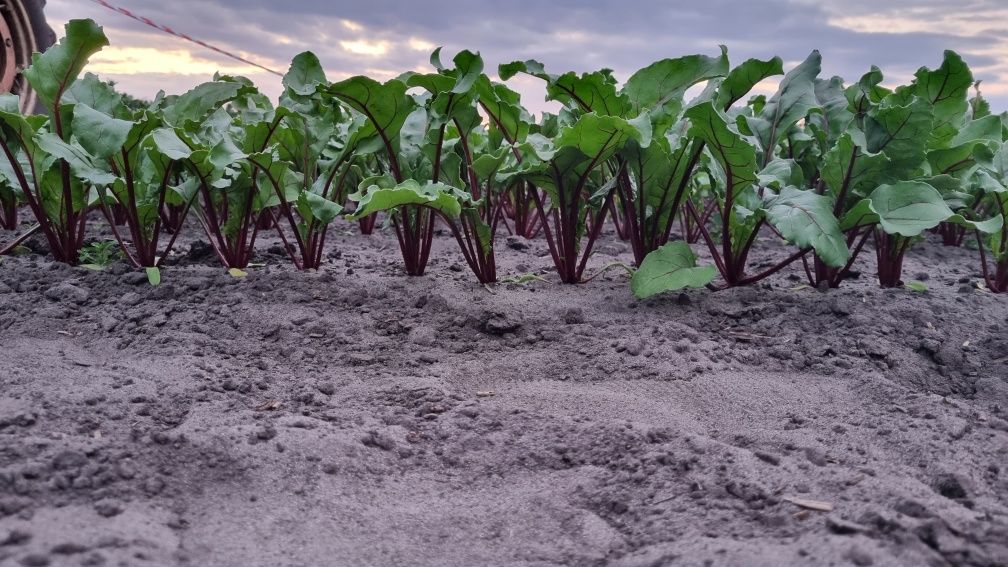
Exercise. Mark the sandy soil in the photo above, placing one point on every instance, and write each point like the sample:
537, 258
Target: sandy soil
354, 416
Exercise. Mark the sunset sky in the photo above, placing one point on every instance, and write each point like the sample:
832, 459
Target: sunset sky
382, 38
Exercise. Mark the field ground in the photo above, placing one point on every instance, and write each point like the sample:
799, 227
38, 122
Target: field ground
355, 416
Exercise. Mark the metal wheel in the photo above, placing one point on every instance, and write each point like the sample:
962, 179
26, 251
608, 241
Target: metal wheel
23, 31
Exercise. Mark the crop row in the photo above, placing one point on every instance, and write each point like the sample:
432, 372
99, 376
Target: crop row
823, 165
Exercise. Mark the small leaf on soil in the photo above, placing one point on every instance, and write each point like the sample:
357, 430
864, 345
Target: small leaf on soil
671, 267
809, 504
270, 405
236, 273
916, 286
153, 276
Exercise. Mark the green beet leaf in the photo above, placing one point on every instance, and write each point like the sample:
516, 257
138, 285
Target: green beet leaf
305, 74
312, 205
588, 92
599, 137
899, 131
191, 109
736, 156
382, 194
659, 87
51, 73
905, 208
669, 268
385, 105
805, 219
99, 133
743, 78
794, 98
94, 93
946, 89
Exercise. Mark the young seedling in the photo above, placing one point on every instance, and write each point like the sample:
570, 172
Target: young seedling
100, 255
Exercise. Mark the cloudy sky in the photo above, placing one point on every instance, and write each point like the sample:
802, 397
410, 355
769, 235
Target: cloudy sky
382, 38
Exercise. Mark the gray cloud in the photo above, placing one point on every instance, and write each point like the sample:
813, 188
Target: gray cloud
577, 35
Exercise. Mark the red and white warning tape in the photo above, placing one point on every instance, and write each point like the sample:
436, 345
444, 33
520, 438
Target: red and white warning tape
168, 30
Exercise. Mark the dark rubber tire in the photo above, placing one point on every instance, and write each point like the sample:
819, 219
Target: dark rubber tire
45, 37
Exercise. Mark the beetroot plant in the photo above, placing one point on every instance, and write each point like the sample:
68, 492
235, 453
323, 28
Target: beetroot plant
570, 169
306, 155
129, 158
209, 172
654, 181
753, 185
508, 125
896, 163
447, 163
571, 161
992, 178
55, 196
385, 108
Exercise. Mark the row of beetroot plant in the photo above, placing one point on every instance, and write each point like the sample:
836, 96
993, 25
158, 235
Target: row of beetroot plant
826, 167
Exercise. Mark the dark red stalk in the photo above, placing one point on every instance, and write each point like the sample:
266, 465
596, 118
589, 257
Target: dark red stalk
889, 252
520, 206
171, 217
283, 238
264, 222
689, 228
8, 215
998, 283
65, 236
118, 214
367, 224
310, 245
619, 223
106, 210
478, 254
833, 276
561, 234
648, 232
